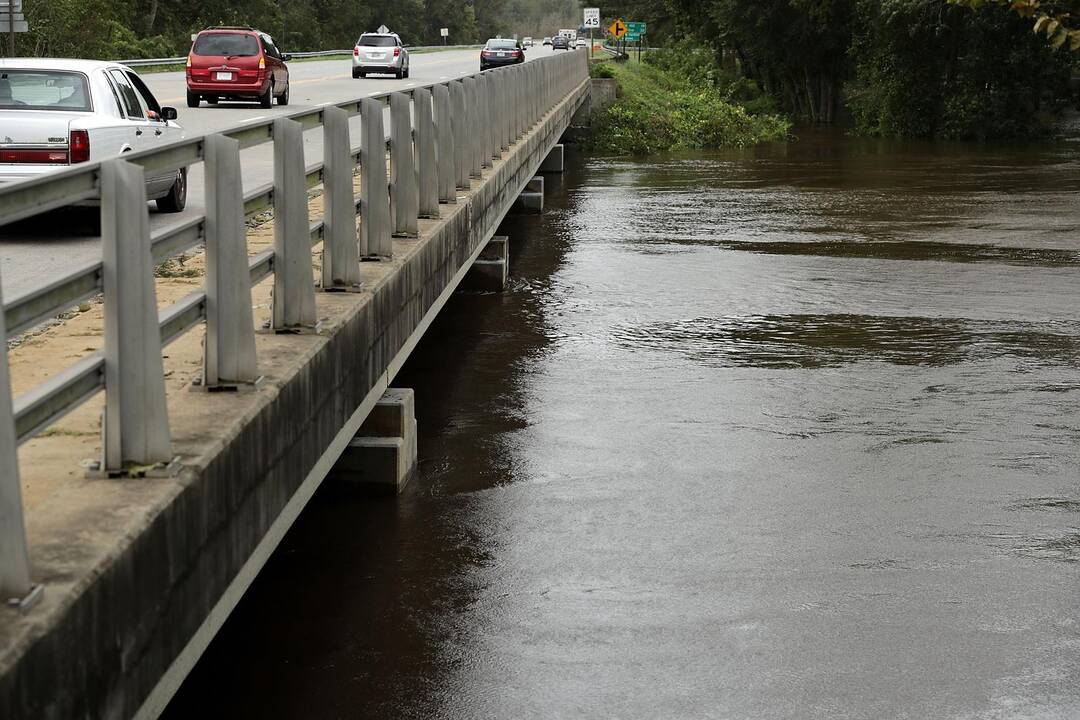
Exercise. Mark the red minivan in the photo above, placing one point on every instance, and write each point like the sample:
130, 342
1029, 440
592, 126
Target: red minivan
236, 63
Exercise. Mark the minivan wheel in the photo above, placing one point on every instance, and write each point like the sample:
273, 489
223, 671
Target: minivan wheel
356, 73
399, 74
267, 98
406, 71
192, 99
283, 98
176, 200
212, 99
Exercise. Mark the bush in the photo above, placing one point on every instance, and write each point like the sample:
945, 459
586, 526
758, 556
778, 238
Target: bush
659, 110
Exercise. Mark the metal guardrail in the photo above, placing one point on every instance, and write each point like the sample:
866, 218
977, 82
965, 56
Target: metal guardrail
447, 131
149, 62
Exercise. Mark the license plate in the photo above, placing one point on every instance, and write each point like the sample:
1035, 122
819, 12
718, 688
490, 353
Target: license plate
502, 54
377, 56
223, 76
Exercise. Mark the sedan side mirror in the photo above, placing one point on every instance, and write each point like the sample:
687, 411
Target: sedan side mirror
286, 57
168, 113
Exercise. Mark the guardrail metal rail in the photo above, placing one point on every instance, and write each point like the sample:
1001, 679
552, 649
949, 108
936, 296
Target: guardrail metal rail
447, 131
150, 62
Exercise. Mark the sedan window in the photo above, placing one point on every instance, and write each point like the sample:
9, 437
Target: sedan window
502, 44
44, 90
128, 95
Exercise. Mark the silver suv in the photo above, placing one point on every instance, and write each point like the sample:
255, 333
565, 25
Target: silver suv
380, 53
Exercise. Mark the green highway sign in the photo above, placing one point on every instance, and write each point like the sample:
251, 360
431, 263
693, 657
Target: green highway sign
636, 28
632, 37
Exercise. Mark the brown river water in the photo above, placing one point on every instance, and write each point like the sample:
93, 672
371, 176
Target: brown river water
791, 432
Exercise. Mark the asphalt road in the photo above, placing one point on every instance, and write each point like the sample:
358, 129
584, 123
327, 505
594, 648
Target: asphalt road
48, 246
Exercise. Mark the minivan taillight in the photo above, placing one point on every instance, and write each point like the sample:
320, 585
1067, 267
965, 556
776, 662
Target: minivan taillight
397, 51
356, 51
79, 146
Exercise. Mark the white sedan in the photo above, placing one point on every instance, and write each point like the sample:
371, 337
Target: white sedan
55, 113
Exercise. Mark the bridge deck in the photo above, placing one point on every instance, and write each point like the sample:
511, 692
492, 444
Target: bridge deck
140, 574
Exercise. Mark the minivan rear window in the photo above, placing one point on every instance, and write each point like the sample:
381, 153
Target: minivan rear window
228, 44
44, 90
376, 41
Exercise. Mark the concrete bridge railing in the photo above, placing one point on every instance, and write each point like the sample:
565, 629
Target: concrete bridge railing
440, 136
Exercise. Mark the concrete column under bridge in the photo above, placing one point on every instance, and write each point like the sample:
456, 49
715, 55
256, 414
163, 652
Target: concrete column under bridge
382, 456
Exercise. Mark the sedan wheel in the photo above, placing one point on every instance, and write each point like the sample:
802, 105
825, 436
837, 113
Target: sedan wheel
176, 200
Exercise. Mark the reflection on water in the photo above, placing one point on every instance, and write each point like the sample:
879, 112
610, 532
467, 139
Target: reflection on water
807, 341
781, 433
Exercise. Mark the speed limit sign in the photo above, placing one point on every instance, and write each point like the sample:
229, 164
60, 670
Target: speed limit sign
592, 17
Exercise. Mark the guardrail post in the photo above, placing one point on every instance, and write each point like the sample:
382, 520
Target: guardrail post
426, 155
14, 554
462, 155
341, 250
404, 195
375, 220
136, 424
445, 148
229, 349
474, 136
293, 302
486, 120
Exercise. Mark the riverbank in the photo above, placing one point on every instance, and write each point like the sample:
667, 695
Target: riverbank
658, 110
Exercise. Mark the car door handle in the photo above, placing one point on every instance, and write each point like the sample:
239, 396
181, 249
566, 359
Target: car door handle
138, 132
157, 132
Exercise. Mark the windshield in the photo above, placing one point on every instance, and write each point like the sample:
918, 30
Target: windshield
44, 90
502, 44
229, 44
377, 41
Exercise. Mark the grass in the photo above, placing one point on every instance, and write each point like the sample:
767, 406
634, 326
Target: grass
659, 111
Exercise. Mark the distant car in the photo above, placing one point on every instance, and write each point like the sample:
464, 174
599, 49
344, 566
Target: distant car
380, 53
497, 53
547, 41
236, 63
57, 113
582, 42
527, 42
560, 42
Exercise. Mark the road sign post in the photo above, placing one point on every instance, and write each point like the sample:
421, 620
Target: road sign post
12, 21
445, 32
592, 21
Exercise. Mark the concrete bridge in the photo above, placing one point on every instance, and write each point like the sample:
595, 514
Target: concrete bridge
119, 577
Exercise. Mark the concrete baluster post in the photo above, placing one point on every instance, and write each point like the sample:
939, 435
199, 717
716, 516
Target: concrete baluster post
404, 193
375, 220
483, 122
504, 110
491, 117
136, 425
425, 153
229, 349
293, 302
341, 247
462, 156
473, 114
444, 124
518, 102
14, 553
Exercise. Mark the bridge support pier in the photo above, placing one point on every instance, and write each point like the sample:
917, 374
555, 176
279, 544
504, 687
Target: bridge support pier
491, 271
555, 161
382, 456
531, 200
